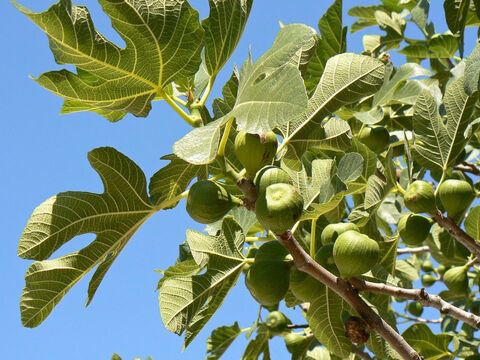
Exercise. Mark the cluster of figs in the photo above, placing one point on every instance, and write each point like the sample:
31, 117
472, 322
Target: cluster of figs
345, 251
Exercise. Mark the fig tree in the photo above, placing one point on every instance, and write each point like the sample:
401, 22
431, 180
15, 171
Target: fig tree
208, 202
456, 279
269, 175
268, 281
276, 322
376, 138
456, 196
254, 151
414, 228
295, 342
415, 308
355, 253
331, 231
428, 280
419, 197
279, 208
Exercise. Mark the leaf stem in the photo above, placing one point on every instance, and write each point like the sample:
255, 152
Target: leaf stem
226, 133
444, 173
172, 201
180, 111
180, 101
313, 239
207, 91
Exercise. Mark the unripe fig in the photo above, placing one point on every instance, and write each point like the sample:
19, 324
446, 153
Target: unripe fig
441, 269
268, 281
279, 208
456, 196
376, 138
415, 308
255, 151
419, 197
304, 286
276, 322
269, 175
414, 228
271, 250
355, 253
331, 231
251, 252
208, 202
456, 279
427, 266
428, 280
295, 342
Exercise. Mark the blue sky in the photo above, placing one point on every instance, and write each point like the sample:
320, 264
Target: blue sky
45, 153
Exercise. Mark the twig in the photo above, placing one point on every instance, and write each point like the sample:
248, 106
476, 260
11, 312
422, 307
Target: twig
471, 262
420, 295
416, 250
248, 188
297, 326
468, 168
422, 320
305, 263
360, 353
454, 230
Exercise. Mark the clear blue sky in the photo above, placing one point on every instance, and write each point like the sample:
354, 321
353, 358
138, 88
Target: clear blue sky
44, 153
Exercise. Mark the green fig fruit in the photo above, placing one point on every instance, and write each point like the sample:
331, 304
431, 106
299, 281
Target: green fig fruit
414, 228
456, 279
251, 252
456, 196
441, 269
271, 250
376, 138
276, 322
255, 151
279, 208
268, 281
303, 286
331, 231
296, 342
355, 253
427, 266
269, 175
419, 197
208, 202
415, 308
428, 280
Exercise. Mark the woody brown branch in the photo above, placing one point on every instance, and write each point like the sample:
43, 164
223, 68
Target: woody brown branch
468, 168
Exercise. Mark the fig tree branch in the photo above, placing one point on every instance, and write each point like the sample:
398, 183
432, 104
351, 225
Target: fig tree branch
468, 168
419, 319
455, 231
420, 295
416, 250
360, 353
305, 263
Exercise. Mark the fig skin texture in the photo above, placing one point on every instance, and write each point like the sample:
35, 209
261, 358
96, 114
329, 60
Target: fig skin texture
269, 175
208, 202
304, 286
414, 228
420, 197
268, 281
355, 253
456, 196
279, 208
376, 138
415, 308
332, 231
456, 279
254, 151
276, 322
271, 250
428, 280
295, 342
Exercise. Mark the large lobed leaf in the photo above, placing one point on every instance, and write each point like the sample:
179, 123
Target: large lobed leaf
163, 43
113, 216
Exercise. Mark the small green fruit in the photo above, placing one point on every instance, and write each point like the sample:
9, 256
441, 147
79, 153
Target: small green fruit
304, 286
331, 231
276, 322
268, 281
456, 279
208, 202
271, 250
419, 197
415, 308
414, 228
279, 208
456, 196
427, 266
355, 253
428, 280
269, 175
441, 269
376, 138
255, 151
295, 342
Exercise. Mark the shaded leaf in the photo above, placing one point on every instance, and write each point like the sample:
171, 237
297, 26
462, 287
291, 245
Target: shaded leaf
432, 347
472, 223
472, 71
220, 339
